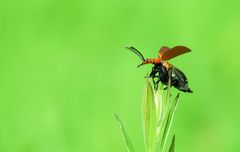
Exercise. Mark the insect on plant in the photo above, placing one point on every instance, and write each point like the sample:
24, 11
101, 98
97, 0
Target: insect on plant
163, 71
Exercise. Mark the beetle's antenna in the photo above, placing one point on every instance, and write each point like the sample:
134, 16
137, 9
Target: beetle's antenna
134, 50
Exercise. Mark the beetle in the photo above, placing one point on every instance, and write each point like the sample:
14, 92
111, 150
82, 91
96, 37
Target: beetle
163, 70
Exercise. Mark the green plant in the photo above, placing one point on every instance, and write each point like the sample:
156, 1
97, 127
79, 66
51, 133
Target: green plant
158, 114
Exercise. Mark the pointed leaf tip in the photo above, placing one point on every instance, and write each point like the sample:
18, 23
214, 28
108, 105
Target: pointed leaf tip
126, 137
117, 117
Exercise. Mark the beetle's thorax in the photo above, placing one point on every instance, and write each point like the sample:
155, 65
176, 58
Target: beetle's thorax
152, 61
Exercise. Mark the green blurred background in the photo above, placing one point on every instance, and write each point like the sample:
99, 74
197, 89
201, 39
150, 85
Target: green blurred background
65, 71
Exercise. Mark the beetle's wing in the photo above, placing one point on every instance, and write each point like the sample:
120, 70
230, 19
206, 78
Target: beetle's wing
162, 51
180, 80
179, 75
167, 54
134, 50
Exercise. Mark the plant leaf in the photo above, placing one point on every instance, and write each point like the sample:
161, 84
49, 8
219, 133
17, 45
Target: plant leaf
164, 113
126, 137
161, 118
172, 146
158, 96
160, 132
149, 117
170, 117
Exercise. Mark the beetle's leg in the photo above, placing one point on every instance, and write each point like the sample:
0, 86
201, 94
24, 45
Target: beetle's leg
156, 84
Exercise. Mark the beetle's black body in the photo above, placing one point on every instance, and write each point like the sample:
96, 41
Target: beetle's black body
177, 77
